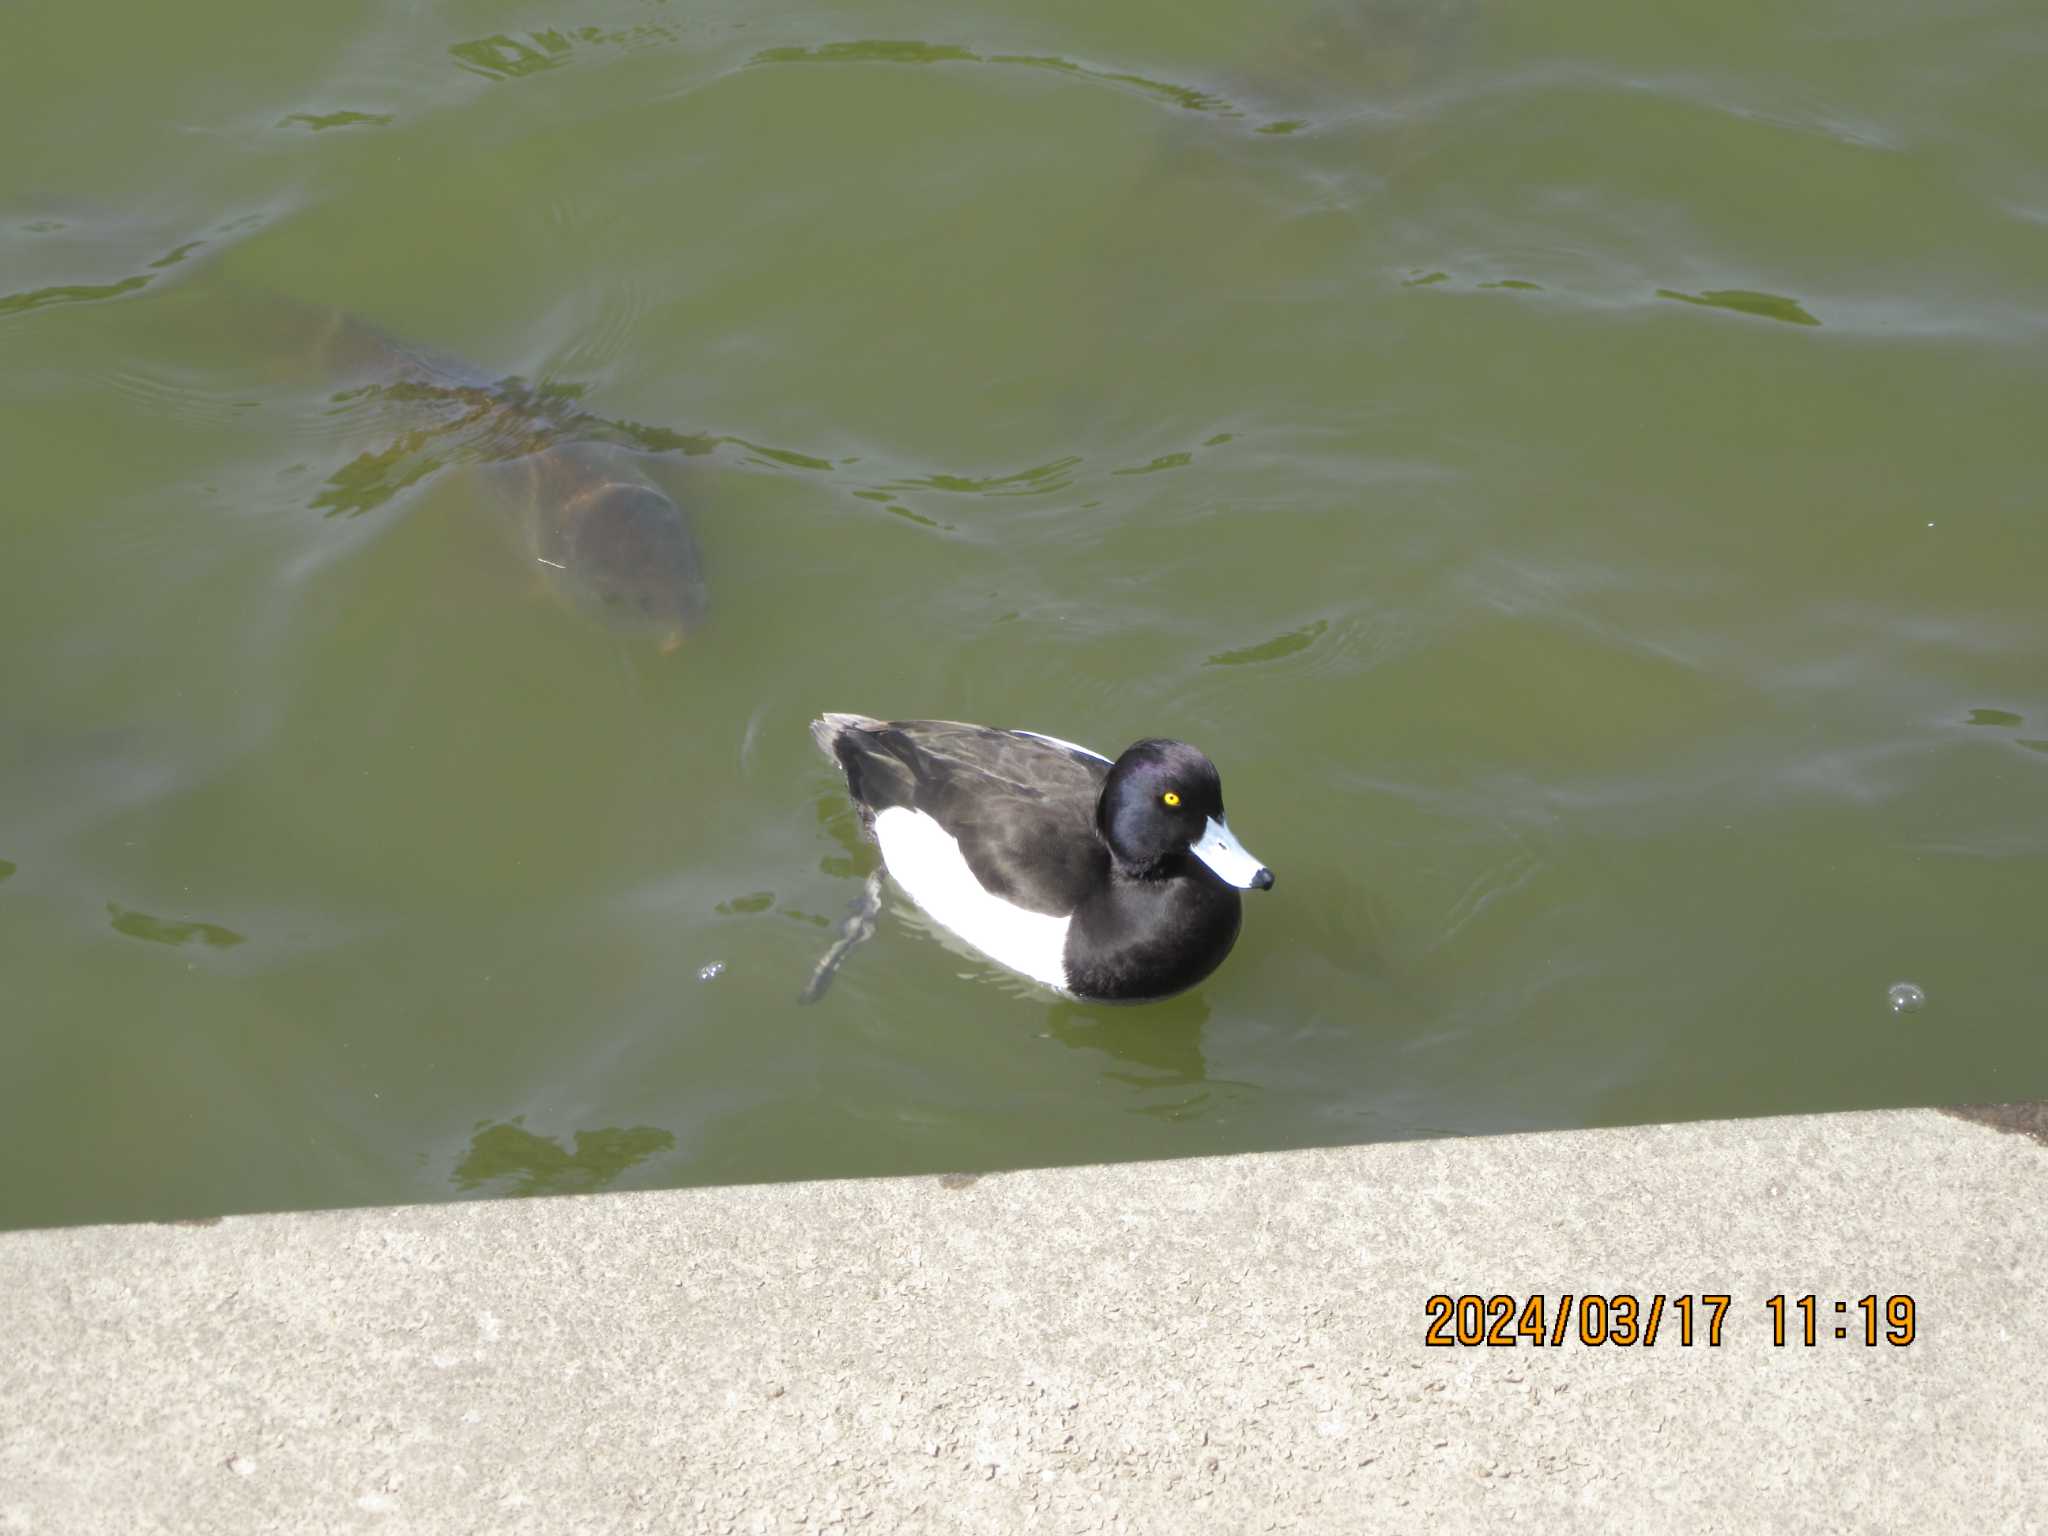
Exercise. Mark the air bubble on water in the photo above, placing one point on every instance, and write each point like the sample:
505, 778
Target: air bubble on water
1905, 997
716, 969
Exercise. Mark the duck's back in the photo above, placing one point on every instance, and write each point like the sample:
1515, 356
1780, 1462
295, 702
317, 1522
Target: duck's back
1020, 808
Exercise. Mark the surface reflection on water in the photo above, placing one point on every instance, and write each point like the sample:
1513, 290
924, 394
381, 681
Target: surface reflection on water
505, 1158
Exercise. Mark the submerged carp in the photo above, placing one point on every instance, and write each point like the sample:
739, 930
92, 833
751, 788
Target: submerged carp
619, 540
574, 487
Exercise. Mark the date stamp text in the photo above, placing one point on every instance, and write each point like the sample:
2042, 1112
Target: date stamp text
1541, 1320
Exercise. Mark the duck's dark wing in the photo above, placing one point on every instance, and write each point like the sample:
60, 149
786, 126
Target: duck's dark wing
1021, 808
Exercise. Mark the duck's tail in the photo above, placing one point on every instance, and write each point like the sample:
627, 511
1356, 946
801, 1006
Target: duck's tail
828, 728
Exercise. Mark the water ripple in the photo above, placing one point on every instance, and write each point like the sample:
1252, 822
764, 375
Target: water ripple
502, 56
320, 121
1039, 480
173, 931
894, 51
178, 395
1745, 301
91, 293
1289, 644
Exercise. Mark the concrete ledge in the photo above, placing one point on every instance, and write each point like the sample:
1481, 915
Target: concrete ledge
1228, 1345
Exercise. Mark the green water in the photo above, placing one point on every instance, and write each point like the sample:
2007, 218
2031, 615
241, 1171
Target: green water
1578, 473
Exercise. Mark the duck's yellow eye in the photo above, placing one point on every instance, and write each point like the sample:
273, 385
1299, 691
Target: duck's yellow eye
1170, 798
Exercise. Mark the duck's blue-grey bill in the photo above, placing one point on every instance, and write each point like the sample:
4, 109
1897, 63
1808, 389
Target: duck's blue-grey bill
1219, 848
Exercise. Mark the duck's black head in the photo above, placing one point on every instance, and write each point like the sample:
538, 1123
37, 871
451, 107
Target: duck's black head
1163, 799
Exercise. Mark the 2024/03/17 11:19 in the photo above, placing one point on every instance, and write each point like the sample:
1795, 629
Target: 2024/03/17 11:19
1503, 1322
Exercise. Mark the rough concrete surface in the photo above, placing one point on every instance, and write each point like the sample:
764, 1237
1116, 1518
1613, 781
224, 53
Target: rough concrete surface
1227, 1345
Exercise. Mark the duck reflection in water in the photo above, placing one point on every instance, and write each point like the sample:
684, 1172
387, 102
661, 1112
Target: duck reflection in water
1163, 1043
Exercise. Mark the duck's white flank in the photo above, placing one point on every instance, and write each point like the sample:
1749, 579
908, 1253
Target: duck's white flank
1071, 746
929, 865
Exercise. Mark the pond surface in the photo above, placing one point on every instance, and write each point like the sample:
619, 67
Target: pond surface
1578, 473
